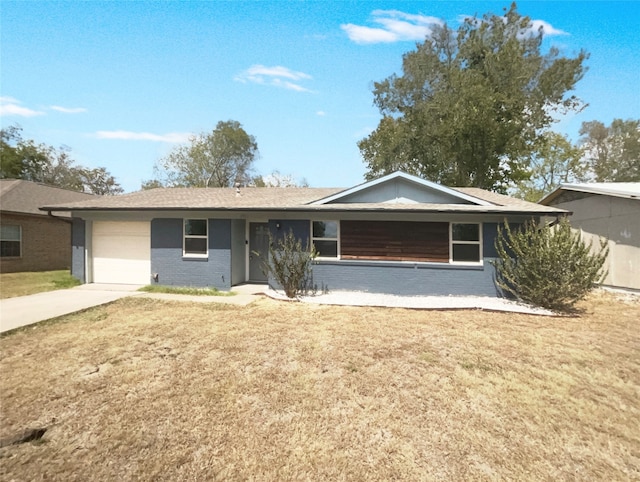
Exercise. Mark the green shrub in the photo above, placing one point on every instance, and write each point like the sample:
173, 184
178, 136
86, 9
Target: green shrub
290, 264
548, 266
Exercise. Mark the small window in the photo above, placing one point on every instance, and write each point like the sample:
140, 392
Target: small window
465, 243
195, 237
324, 236
10, 241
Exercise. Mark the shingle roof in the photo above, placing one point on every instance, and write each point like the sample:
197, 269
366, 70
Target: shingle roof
206, 198
26, 197
630, 190
286, 199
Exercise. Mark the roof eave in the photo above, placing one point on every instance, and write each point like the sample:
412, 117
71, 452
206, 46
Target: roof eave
327, 209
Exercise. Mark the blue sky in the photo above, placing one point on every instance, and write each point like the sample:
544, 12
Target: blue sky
121, 82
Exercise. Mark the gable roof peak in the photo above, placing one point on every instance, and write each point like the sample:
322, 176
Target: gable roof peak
421, 184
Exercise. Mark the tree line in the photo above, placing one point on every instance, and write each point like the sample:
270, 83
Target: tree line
24, 159
473, 106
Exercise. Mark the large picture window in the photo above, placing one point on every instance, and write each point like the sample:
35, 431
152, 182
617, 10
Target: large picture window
196, 240
10, 241
324, 236
465, 243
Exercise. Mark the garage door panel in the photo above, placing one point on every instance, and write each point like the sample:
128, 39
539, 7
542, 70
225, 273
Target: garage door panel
121, 252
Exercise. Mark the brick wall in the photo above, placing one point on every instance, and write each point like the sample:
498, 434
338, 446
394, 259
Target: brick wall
46, 243
173, 269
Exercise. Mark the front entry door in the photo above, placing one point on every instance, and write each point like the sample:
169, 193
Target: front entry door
258, 243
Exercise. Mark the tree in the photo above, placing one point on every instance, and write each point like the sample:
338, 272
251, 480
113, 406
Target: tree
150, 184
24, 159
471, 104
99, 181
10, 159
612, 153
555, 161
548, 266
219, 159
277, 179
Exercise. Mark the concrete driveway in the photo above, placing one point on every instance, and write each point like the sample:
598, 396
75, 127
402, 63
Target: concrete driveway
26, 310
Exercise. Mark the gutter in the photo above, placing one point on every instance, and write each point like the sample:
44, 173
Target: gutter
61, 218
556, 212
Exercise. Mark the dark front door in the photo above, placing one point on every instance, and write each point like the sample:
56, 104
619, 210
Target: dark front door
258, 243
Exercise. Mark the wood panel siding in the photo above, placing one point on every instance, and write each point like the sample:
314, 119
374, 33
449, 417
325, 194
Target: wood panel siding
394, 241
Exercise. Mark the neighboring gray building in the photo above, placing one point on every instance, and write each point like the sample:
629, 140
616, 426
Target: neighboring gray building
397, 234
608, 210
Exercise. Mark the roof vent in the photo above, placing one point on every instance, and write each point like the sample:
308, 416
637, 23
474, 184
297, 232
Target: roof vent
237, 189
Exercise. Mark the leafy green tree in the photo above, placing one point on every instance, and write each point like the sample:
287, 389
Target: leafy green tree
151, 184
10, 159
277, 179
20, 158
548, 266
24, 159
99, 181
555, 161
612, 153
471, 104
221, 158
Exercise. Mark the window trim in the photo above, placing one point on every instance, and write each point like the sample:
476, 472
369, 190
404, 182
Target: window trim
336, 239
19, 226
194, 236
453, 242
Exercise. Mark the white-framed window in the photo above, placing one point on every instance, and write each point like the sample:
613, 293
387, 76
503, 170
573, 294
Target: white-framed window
10, 241
196, 239
324, 236
466, 242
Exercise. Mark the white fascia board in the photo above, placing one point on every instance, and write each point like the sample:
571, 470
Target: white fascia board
629, 190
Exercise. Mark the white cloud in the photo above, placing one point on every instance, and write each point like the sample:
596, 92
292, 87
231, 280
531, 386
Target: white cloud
171, 137
68, 110
321, 113
277, 76
11, 107
396, 26
547, 28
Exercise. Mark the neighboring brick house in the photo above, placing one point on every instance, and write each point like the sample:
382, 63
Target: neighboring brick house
30, 239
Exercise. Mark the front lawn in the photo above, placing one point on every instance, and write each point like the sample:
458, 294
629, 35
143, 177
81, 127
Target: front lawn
143, 389
27, 283
185, 290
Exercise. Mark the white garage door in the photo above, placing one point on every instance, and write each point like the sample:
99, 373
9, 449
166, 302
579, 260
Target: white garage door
121, 252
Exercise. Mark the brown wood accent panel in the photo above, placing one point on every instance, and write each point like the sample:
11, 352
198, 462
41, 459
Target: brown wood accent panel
394, 241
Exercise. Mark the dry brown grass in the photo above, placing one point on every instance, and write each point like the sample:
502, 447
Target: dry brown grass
287, 391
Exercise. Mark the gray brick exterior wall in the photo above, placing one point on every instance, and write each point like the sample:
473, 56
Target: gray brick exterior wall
174, 269
215, 271
406, 279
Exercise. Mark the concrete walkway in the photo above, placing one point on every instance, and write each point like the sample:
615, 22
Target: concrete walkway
26, 310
